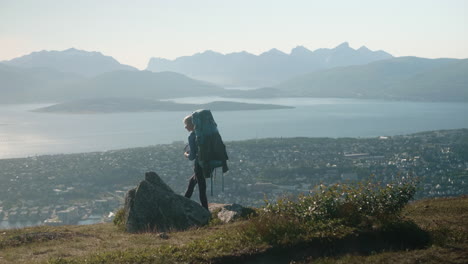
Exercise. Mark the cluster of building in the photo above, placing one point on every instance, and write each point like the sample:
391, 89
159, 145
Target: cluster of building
274, 168
65, 214
80, 188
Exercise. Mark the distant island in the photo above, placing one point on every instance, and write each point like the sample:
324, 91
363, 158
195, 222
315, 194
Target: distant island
116, 105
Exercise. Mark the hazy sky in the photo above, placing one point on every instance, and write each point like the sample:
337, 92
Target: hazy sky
134, 31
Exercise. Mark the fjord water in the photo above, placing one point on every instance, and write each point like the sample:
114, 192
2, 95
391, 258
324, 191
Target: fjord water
24, 133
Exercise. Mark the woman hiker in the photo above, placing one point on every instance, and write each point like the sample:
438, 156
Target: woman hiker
198, 176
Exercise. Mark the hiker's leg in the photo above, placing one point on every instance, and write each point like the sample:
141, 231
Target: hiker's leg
191, 186
201, 185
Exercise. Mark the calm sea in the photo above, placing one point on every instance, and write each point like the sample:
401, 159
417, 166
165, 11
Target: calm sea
24, 133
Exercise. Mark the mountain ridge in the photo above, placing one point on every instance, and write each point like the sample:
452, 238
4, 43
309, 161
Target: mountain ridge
85, 63
387, 79
45, 85
267, 68
400, 78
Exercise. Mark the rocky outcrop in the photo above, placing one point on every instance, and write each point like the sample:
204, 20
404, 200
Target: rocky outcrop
230, 212
154, 207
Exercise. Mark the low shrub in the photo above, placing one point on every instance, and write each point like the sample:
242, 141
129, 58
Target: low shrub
119, 219
357, 204
333, 211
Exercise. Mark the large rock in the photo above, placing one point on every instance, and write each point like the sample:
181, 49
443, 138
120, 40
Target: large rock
154, 207
230, 212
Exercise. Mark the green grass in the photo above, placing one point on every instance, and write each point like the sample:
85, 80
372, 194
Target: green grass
328, 241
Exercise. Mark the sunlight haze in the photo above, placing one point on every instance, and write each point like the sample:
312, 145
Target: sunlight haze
133, 32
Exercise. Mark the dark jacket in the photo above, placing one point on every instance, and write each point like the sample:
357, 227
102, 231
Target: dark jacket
193, 146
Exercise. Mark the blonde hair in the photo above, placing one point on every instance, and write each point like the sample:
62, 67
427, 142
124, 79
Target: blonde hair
188, 120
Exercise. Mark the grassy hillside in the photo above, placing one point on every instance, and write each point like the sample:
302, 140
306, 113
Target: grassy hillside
443, 219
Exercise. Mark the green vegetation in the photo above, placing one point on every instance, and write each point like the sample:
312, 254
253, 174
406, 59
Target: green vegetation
119, 219
353, 204
334, 215
269, 236
338, 212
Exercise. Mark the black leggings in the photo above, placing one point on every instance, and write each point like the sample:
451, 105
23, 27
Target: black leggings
198, 177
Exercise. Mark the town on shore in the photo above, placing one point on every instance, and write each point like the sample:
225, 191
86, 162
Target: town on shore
88, 188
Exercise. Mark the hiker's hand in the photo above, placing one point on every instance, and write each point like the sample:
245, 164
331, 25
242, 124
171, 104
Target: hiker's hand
186, 154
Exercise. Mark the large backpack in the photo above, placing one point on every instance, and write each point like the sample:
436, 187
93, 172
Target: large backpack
211, 149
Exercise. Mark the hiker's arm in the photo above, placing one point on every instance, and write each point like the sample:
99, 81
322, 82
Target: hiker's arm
193, 148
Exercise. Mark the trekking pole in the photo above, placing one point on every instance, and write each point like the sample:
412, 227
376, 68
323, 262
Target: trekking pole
211, 183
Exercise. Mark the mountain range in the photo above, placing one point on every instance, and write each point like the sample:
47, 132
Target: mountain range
44, 85
403, 78
80, 62
28, 85
266, 69
59, 76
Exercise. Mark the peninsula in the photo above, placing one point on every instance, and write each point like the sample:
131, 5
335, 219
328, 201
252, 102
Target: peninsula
115, 105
